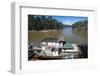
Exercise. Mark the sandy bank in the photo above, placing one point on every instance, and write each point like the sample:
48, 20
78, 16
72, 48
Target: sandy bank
43, 31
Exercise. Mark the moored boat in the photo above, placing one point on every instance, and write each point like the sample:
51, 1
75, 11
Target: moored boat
56, 49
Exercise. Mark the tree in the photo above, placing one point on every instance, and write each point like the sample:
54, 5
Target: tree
38, 22
80, 25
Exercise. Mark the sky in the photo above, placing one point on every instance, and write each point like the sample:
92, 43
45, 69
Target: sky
70, 19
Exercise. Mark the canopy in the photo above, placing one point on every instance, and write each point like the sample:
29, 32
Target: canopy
68, 45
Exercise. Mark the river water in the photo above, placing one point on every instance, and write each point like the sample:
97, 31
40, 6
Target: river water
73, 36
70, 35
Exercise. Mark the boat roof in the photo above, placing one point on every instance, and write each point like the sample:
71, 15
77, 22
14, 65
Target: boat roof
68, 45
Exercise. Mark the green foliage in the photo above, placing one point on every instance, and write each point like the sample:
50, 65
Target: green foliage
37, 22
81, 25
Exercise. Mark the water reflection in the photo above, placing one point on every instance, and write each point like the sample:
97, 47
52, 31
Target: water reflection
72, 36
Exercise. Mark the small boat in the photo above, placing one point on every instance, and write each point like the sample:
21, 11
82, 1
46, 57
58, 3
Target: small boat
51, 50
50, 53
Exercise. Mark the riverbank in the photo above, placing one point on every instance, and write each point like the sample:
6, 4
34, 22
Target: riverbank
44, 31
